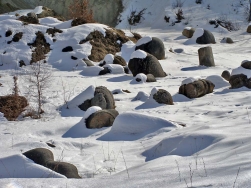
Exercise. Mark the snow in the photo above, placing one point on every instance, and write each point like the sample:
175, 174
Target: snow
109, 59
115, 69
144, 40
142, 77
190, 80
139, 54
241, 70
91, 111
160, 144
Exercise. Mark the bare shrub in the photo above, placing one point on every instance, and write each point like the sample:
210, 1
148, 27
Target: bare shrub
178, 4
225, 22
179, 15
38, 77
135, 17
198, 1
80, 10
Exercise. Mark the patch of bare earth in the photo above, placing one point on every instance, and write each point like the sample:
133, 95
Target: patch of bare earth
111, 43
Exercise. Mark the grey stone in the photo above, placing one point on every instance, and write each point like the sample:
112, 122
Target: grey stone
88, 62
148, 65
119, 60
163, 97
101, 118
249, 29
239, 80
84, 106
110, 103
188, 32
99, 100
150, 78
197, 88
226, 75
44, 157
246, 65
206, 38
206, 57
155, 47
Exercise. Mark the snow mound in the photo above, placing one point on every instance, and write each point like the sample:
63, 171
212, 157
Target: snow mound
86, 94
109, 59
18, 166
135, 123
153, 91
144, 40
2, 118
140, 54
190, 80
141, 96
181, 146
91, 71
115, 69
241, 70
142, 77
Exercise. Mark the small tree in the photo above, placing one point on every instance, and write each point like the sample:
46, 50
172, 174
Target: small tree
80, 9
39, 77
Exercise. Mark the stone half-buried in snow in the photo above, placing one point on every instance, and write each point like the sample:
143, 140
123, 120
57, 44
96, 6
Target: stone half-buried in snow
241, 76
197, 88
102, 98
44, 157
249, 29
101, 118
163, 97
226, 75
188, 32
142, 62
206, 36
152, 45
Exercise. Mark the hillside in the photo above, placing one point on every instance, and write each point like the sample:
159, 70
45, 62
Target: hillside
185, 141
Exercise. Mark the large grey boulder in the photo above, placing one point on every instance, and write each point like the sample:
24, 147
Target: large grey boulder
147, 65
101, 118
45, 157
155, 47
226, 75
163, 97
249, 29
239, 80
206, 38
246, 65
197, 88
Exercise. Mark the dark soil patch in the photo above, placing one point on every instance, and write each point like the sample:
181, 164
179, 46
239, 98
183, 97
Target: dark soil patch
41, 48
80, 21
102, 46
17, 37
8, 33
74, 58
12, 106
53, 31
29, 20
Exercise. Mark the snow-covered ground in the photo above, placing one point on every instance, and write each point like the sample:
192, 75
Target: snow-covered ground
148, 145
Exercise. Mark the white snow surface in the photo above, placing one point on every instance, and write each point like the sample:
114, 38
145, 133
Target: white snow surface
144, 40
91, 111
109, 59
190, 80
115, 69
149, 144
140, 54
141, 76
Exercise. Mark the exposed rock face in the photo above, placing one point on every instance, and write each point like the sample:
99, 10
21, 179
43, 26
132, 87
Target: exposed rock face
105, 11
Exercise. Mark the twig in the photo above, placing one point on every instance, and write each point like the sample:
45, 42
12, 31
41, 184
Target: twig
178, 169
236, 177
125, 164
204, 166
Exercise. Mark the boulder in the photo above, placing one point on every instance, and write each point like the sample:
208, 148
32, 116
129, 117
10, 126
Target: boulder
226, 75
17, 36
102, 98
21, 63
197, 88
163, 97
155, 47
88, 62
239, 80
150, 78
206, 38
249, 29
146, 65
101, 118
31, 18
246, 65
44, 157
227, 40
119, 60
188, 32
32, 15
106, 70
47, 12
206, 57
